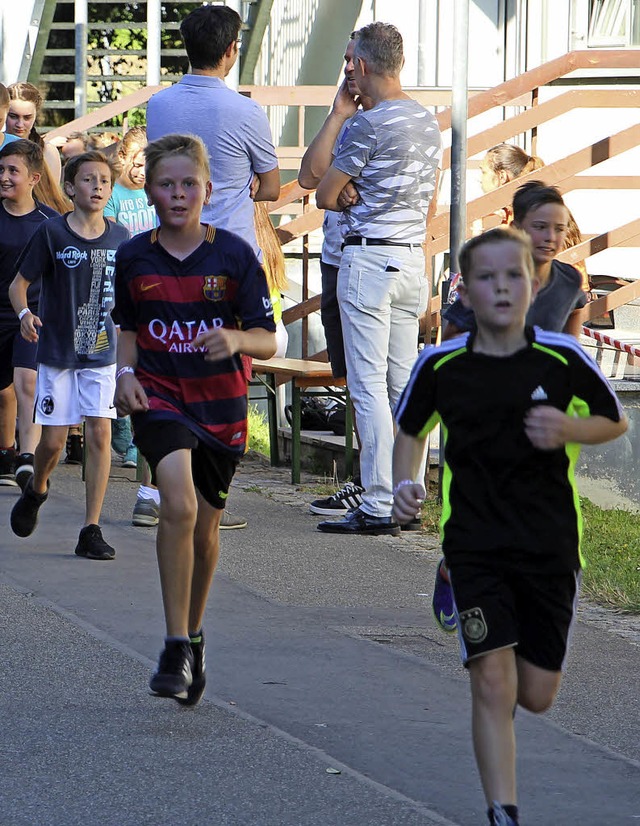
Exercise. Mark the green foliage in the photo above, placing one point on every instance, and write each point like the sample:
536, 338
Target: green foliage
610, 547
258, 431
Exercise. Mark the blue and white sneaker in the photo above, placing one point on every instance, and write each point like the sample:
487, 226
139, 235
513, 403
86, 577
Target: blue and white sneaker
442, 603
499, 817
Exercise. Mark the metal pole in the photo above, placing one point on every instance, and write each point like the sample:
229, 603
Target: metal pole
153, 42
81, 20
458, 214
233, 78
459, 131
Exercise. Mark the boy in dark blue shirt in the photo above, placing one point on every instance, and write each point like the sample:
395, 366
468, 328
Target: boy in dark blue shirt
74, 256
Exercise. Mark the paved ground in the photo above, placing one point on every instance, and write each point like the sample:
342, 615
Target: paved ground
323, 658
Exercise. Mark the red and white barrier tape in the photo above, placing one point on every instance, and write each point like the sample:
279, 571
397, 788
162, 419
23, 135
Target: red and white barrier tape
631, 349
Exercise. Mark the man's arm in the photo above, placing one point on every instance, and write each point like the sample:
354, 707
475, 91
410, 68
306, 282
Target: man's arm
319, 155
268, 188
330, 188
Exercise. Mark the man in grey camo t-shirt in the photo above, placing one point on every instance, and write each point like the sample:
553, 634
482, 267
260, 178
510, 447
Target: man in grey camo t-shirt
391, 154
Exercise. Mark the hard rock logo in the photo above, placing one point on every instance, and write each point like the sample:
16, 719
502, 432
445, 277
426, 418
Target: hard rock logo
215, 287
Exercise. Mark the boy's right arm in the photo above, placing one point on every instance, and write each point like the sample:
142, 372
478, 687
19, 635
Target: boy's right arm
18, 298
130, 396
408, 495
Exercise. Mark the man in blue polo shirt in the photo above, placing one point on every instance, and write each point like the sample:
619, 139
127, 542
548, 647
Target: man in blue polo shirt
234, 128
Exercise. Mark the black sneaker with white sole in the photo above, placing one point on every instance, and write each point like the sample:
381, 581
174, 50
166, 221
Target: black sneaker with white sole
196, 689
24, 469
24, 515
91, 544
174, 674
8, 467
348, 498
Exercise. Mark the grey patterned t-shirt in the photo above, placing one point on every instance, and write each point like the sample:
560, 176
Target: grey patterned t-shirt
392, 153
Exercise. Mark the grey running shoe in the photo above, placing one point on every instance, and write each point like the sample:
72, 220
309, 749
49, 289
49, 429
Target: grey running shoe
92, 545
229, 522
499, 816
8, 468
358, 522
24, 516
173, 676
348, 498
24, 469
145, 513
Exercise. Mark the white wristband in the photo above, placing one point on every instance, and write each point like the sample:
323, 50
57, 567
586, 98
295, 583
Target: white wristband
403, 484
123, 370
23, 313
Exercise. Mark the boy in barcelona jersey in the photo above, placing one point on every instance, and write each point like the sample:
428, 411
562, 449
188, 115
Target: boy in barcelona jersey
190, 299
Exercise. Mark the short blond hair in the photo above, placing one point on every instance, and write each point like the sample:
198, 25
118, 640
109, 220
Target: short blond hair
175, 145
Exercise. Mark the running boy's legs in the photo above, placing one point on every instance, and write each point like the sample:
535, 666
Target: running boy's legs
499, 681
188, 545
24, 382
97, 467
47, 455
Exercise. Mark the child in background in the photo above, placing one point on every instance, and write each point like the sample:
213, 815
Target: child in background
21, 165
129, 206
5, 100
24, 108
274, 267
74, 256
189, 299
515, 402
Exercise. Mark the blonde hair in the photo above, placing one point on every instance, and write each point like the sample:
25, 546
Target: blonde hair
172, 145
505, 157
268, 241
132, 142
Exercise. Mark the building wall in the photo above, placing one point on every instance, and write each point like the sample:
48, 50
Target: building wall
15, 19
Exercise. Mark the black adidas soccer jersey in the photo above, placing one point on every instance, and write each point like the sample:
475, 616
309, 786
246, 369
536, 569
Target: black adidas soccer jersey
500, 493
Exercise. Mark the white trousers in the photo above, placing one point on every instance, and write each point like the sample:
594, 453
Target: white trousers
382, 292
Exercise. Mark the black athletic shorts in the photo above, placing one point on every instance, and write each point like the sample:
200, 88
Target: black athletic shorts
500, 606
212, 469
14, 352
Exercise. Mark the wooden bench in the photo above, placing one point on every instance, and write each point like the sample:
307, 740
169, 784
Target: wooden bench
303, 374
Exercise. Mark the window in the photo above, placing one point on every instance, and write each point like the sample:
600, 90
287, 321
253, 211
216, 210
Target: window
614, 23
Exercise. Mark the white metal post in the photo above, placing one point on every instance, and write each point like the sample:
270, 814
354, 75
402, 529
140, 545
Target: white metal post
154, 23
81, 21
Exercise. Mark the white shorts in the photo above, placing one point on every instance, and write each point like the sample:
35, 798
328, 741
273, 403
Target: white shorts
64, 397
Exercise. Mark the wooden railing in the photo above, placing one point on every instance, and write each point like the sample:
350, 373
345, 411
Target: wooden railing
521, 95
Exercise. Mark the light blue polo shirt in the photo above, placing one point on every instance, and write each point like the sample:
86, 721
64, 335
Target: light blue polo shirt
236, 132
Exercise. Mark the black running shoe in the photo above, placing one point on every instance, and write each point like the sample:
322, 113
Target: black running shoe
8, 467
92, 545
74, 450
173, 676
196, 689
24, 469
24, 516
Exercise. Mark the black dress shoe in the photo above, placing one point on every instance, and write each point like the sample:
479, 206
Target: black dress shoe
360, 523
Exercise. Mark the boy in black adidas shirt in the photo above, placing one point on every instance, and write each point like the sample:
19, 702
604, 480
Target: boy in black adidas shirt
515, 404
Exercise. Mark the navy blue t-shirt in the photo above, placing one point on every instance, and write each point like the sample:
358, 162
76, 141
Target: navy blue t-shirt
77, 293
15, 233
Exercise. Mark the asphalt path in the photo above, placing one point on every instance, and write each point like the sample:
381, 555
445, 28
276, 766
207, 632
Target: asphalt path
332, 697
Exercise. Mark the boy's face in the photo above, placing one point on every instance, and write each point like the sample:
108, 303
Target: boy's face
91, 188
178, 190
16, 182
21, 117
547, 227
498, 287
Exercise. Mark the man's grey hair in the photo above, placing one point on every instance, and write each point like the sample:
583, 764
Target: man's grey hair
380, 46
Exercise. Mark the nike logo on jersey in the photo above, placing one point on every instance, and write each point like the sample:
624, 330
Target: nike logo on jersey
145, 287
